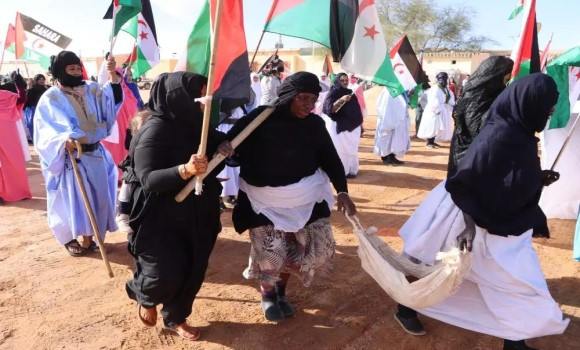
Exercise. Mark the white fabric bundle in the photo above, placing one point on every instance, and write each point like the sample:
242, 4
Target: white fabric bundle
435, 284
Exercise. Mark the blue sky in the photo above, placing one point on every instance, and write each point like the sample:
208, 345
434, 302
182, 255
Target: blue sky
81, 20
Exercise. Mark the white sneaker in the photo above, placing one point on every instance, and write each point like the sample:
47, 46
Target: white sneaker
122, 221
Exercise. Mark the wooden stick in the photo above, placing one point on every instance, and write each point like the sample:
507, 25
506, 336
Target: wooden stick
209, 88
353, 93
218, 158
113, 35
92, 219
565, 142
26, 68
257, 47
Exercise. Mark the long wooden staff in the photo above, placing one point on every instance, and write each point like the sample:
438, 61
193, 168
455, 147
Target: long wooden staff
216, 160
88, 207
209, 88
565, 143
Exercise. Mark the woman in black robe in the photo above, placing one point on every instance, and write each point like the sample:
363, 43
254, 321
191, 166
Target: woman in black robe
470, 113
490, 207
342, 106
33, 95
172, 241
286, 167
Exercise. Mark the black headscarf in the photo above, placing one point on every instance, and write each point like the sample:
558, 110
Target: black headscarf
295, 84
470, 113
499, 181
349, 117
58, 65
172, 98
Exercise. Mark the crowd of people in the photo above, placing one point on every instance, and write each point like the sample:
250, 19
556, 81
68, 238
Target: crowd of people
280, 181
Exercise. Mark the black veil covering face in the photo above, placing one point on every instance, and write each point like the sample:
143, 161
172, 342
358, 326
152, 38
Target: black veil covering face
58, 65
470, 113
442, 79
172, 98
499, 181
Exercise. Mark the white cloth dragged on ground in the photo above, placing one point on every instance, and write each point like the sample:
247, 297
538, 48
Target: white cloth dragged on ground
386, 266
393, 124
289, 207
561, 199
436, 120
346, 144
504, 294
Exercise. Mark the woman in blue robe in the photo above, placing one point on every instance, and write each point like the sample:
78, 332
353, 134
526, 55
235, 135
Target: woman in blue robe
76, 110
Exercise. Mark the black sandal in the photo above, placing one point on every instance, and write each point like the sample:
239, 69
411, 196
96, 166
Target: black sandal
74, 244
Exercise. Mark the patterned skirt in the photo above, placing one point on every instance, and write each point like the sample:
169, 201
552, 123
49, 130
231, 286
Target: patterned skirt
302, 253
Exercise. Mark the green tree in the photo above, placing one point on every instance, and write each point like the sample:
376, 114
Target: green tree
429, 26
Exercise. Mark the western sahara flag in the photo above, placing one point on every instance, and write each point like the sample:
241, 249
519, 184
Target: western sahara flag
406, 65
122, 11
565, 70
526, 53
232, 72
145, 55
366, 54
519, 8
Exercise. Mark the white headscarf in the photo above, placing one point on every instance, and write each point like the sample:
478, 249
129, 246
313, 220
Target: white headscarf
257, 87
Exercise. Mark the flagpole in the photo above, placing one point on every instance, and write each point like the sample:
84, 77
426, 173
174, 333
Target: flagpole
113, 36
565, 143
209, 90
352, 94
26, 68
257, 47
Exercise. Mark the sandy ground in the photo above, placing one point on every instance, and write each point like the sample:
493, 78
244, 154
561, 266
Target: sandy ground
50, 300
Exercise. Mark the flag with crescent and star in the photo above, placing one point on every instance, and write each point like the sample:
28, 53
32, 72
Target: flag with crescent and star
366, 54
145, 54
565, 69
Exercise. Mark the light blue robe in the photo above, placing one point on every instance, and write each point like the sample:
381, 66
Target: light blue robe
57, 120
576, 253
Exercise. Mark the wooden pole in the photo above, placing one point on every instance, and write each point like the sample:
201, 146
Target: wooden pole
113, 35
92, 219
257, 47
565, 143
217, 159
26, 68
209, 88
353, 93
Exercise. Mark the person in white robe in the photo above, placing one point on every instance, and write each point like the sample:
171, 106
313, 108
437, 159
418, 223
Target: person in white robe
436, 122
392, 138
77, 110
270, 83
490, 207
257, 89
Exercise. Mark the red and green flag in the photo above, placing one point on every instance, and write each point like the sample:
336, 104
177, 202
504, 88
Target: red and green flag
145, 54
19, 37
232, 72
565, 70
519, 8
29, 55
526, 53
285, 17
121, 11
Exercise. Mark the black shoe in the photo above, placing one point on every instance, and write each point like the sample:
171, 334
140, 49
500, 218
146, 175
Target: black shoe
222, 206
271, 309
434, 146
437, 145
396, 161
287, 308
516, 345
411, 325
350, 176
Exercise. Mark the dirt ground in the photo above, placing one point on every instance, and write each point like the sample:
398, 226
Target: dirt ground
50, 300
